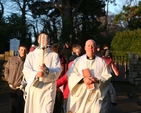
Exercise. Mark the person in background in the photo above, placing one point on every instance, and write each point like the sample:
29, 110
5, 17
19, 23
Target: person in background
66, 53
13, 74
32, 48
88, 80
41, 93
73, 48
109, 62
98, 50
77, 51
105, 47
112, 69
58, 107
57, 49
63, 81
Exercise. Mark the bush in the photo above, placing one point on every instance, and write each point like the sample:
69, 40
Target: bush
127, 41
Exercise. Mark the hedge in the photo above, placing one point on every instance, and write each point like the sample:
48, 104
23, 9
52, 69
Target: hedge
127, 41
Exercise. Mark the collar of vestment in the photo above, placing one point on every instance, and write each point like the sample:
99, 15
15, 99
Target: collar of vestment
90, 58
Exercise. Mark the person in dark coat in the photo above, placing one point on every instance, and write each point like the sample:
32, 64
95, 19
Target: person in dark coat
98, 50
66, 53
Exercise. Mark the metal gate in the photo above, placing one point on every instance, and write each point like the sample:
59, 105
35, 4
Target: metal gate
122, 64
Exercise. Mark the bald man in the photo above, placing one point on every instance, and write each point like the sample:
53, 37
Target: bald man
88, 92
41, 94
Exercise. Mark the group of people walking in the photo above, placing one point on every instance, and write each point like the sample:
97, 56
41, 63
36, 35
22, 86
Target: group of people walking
55, 80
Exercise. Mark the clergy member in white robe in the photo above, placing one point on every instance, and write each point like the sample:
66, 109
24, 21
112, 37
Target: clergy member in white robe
41, 94
84, 99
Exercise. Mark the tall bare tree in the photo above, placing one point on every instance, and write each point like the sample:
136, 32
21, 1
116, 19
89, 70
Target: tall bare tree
130, 15
73, 15
22, 6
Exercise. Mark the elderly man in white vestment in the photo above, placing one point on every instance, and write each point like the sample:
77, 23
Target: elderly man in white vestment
88, 79
41, 92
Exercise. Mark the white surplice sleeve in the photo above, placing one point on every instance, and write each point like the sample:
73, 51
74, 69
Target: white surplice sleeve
29, 73
55, 69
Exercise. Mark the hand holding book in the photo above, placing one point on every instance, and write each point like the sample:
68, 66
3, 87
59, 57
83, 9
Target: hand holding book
88, 79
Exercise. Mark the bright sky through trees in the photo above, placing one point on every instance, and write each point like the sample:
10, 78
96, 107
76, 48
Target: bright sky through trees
10, 8
115, 8
119, 4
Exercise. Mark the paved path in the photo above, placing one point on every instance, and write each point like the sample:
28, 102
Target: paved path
128, 98
4, 98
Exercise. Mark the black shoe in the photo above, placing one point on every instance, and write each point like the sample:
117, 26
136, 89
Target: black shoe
114, 104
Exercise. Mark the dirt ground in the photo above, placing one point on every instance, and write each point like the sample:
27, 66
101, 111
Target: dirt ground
128, 98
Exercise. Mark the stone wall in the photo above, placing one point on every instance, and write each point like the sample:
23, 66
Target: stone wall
134, 70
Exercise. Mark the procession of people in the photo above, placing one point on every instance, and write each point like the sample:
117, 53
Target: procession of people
61, 80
